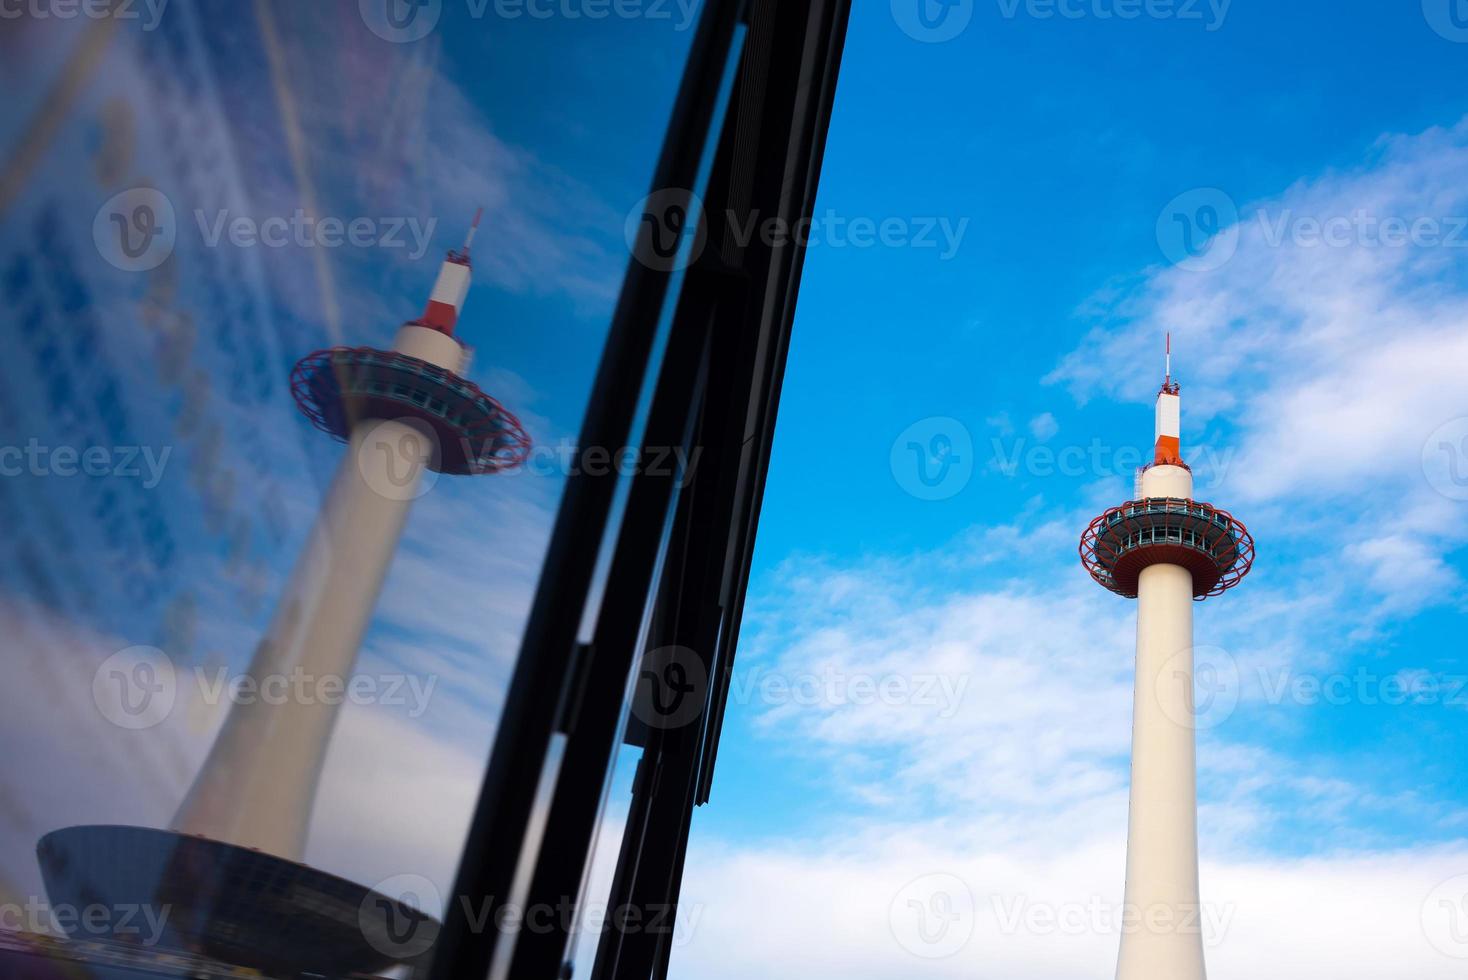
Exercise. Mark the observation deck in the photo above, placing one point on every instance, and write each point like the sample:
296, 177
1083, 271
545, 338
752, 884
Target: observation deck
1209, 542
340, 387
232, 904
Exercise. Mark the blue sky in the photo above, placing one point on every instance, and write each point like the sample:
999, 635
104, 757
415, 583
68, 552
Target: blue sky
1312, 379
1061, 153
1317, 383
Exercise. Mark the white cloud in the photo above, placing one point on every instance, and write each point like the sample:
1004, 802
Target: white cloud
1328, 365
789, 912
1021, 794
1043, 426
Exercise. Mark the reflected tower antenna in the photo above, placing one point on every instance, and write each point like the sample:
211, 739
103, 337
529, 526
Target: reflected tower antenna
233, 862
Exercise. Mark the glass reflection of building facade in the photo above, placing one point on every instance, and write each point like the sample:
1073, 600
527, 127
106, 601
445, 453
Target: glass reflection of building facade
191, 201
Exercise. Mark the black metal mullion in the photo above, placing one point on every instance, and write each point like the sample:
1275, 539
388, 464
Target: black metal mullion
593, 732
770, 167
466, 945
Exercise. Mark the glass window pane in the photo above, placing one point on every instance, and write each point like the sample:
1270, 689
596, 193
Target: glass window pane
220, 617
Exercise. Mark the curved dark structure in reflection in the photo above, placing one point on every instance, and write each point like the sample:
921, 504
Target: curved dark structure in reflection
229, 903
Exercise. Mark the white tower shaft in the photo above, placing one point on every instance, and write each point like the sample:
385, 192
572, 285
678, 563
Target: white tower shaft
1162, 937
258, 784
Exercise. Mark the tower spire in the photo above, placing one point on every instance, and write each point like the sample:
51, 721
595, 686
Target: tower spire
1167, 448
452, 285
1165, 550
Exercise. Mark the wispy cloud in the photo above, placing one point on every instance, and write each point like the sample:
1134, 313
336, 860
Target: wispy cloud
1329, 348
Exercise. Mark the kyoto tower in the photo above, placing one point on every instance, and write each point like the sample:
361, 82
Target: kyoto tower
230, 867
1167, 551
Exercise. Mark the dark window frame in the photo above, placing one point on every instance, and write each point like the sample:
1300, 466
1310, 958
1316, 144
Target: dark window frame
680, 559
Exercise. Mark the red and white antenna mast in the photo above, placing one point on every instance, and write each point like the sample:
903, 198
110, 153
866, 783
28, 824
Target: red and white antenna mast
1169, 387
452, 285
1168, 450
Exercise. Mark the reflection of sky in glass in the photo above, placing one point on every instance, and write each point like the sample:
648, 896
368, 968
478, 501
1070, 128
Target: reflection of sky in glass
288, 111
